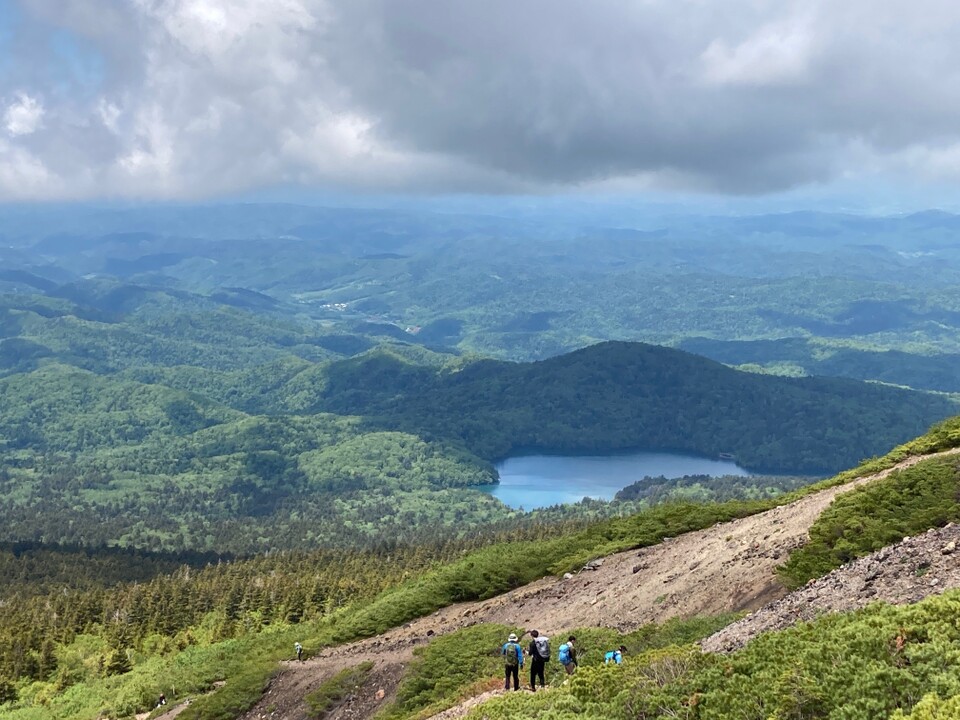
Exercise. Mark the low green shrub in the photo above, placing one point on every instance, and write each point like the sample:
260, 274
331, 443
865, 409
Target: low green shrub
244, 686
931, 707
468, 661
443, 670
905, 503
872, 663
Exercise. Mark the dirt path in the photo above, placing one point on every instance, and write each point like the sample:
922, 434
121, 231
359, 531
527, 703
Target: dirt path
461, 710
725, 568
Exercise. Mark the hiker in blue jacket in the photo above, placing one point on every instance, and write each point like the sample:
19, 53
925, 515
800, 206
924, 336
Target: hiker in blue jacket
614, 656
513, 661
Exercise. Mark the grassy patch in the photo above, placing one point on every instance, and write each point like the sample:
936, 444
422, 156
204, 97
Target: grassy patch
444, 671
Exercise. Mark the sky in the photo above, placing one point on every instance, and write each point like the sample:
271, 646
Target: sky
783, 101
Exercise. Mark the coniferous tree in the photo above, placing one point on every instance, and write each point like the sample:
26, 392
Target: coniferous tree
47, 663
117, 662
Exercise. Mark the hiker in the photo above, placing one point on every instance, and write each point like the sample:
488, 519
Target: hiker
162, 700
614, 656
539, 654
299, 650
568, 656
513, 661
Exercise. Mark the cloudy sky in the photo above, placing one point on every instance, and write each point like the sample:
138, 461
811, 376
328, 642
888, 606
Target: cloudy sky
190, 99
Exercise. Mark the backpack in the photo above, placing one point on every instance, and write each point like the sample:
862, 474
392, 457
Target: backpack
564, 655
543, 647
512, 652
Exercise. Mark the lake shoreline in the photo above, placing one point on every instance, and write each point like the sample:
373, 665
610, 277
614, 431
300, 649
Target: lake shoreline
531, 481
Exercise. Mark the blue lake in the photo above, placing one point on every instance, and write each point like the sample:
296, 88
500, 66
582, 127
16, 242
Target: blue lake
535, 481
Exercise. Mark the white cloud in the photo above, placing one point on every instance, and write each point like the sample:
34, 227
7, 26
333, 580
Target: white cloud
773, 55
24, 176
152, 152
246, 40
188, 98
24, 115
935, 163
109, 113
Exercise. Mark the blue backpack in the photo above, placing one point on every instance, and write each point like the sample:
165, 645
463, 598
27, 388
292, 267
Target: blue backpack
564, 655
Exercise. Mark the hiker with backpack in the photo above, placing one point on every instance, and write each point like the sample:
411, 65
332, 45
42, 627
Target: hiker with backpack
513, 661
568, 656
614, 656
539, 654
298, 649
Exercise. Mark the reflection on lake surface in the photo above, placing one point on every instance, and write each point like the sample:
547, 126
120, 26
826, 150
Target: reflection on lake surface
535, 481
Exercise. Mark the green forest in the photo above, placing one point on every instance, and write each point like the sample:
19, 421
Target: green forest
174, 390
388, 444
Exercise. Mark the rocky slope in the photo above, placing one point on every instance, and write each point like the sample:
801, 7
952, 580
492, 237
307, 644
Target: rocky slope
899, 574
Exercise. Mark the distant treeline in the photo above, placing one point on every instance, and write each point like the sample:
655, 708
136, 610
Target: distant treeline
707, 488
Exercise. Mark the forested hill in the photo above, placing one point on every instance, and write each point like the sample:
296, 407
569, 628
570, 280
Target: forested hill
619, 395
179, 424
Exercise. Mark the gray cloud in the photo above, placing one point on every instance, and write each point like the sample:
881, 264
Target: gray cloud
184, 98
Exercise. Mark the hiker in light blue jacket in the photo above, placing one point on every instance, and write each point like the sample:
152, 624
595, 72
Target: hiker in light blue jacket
614, 656
568, 656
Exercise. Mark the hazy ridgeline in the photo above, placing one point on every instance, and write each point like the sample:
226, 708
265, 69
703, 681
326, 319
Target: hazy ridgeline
805, 292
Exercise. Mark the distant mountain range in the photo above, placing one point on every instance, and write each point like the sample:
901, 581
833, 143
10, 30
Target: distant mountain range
870, 298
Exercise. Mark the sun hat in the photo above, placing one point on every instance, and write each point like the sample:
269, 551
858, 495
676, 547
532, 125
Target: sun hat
512, 638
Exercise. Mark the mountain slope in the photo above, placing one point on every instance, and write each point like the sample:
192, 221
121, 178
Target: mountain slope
727, 568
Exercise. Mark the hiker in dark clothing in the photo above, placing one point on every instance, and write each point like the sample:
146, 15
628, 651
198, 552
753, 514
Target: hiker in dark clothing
539, 654
513, 661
